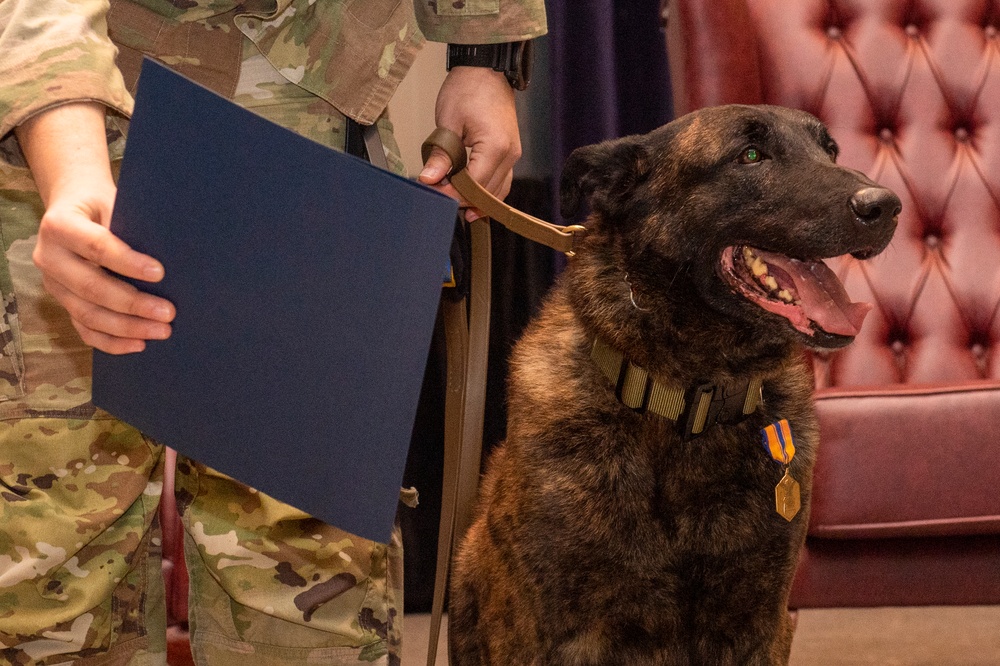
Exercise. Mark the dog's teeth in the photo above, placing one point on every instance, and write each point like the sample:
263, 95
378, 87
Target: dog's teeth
760, 271
754, 263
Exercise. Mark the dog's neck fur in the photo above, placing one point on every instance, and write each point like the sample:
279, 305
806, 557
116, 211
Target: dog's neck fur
672, 339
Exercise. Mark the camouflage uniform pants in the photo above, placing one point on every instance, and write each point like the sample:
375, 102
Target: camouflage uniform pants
80, 578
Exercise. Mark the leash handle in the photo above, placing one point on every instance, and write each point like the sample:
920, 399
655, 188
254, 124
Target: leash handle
450, 143
557, 237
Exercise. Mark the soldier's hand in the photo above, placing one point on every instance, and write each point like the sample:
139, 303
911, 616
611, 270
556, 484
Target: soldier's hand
477, 104
67, 153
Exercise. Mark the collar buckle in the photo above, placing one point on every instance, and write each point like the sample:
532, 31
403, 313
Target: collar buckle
708, 403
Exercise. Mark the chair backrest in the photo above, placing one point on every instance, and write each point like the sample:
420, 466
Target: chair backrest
910, 89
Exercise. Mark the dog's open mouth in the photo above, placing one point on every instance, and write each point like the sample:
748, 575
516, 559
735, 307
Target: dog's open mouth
806, 293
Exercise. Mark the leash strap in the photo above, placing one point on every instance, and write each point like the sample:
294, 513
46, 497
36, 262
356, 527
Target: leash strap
557, 237
467, 344
467, 328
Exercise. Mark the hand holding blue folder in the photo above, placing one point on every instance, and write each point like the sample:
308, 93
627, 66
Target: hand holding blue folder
306, 283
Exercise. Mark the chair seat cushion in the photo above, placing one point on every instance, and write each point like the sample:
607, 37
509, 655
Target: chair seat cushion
874, 479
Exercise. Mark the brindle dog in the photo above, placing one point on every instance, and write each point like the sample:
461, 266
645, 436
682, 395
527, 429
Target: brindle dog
609, 534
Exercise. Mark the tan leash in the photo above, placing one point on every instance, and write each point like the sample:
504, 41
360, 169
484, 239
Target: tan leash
557, 237
467, 328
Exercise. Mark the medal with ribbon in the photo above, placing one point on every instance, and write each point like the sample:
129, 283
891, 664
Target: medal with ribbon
777, 440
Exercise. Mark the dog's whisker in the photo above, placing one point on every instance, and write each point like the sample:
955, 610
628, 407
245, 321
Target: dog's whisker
679, 270
631, 296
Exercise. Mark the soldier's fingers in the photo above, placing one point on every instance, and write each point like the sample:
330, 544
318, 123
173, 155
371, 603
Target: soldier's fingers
436, 168
74, 282
105, 329
95, 243
108, 343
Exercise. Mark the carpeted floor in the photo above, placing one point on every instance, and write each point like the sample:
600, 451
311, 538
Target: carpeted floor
938, 636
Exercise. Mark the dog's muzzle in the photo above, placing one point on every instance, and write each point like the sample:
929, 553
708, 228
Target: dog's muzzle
876, 210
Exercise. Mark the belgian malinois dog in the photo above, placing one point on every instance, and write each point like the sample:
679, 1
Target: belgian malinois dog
652, 495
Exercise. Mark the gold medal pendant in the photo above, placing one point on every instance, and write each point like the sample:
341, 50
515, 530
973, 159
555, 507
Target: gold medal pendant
787, 500
778, 442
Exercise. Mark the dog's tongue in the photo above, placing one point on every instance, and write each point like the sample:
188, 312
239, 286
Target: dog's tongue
821, 295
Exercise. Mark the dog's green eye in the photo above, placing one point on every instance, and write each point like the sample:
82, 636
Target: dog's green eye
751, 156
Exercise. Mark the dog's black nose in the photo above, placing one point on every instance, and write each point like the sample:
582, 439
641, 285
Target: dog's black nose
875, 205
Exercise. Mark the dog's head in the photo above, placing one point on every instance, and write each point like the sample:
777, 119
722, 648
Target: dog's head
739, 204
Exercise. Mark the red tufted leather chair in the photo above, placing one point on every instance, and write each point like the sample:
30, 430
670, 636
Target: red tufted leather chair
907, 495
175, 575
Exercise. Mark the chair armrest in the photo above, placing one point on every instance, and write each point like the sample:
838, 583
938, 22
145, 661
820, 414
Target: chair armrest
908, 461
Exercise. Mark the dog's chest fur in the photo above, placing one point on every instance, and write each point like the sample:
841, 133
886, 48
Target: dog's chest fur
567, 428
606, 511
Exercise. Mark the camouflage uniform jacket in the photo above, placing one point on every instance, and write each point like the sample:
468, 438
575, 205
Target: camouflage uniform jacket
352, 53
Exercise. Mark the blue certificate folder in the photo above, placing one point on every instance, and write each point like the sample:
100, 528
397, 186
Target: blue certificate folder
306, 283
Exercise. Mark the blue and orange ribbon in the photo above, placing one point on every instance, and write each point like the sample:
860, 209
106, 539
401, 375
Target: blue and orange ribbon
777, 440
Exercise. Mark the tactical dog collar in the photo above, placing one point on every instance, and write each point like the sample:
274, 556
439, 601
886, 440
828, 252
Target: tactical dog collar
694, 408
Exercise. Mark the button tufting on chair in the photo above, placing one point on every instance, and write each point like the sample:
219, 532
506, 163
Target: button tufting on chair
906, 509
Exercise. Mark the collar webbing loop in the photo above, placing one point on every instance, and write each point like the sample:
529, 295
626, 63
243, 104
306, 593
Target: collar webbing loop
694, 409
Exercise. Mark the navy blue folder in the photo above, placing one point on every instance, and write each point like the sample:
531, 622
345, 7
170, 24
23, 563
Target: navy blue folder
306, 283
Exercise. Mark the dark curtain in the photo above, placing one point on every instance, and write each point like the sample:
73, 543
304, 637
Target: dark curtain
609, 72
603, 73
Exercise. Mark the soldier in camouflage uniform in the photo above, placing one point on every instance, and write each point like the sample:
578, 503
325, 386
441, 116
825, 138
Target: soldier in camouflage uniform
80, 577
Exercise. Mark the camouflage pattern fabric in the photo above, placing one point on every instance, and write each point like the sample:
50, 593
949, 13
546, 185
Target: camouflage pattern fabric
80, 578
274, 585
54, 51
79, 554
379, 38
263, 90
79, 549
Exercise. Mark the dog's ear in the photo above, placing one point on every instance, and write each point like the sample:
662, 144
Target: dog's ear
603, 174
